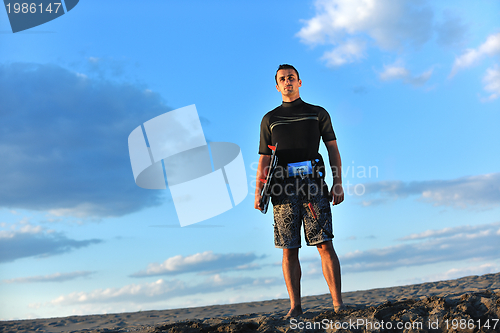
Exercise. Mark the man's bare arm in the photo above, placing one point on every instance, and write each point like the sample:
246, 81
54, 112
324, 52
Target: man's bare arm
337, 191
262, 170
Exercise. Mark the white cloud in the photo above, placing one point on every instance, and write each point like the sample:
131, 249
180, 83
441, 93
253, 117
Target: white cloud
456, 273
132, 292
480, 242
56, 277
482, 190
469, 231
430, 234
21, 227
490, 47
160, 290
491, 82
466, 192
22, 240
397, 71
391, 25
348, 52
206, 262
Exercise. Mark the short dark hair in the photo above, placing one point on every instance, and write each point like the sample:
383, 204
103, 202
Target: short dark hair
285, 66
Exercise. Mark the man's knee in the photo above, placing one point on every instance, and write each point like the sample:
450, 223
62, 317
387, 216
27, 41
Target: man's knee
326, 245
326, 248
291, 254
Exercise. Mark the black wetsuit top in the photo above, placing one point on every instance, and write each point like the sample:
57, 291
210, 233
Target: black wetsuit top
296, 127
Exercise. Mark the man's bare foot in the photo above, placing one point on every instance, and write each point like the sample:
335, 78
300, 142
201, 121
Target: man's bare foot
294, 313
340, 307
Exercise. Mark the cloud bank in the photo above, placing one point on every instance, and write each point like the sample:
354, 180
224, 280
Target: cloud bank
480, 242
456, 273
397, 71
203, 263
491, 47
64, 141
23, 240
466, 192
351, 27
390, 24
56, 277
161, 290
491, 81
471, 57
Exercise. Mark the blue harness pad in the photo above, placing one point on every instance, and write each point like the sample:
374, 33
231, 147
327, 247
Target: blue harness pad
300, 169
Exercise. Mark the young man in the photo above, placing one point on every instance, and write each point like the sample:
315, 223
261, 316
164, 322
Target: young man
299, 194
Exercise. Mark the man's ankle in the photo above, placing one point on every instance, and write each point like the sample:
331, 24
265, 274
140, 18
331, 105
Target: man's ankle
293, 312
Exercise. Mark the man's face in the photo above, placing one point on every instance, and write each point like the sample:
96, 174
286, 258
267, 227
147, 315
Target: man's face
288, 84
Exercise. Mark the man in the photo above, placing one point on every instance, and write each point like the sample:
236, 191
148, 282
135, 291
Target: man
298, 193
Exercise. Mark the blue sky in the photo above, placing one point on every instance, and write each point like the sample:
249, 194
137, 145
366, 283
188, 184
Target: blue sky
413, 89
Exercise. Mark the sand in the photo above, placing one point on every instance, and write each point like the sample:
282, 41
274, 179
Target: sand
469, 304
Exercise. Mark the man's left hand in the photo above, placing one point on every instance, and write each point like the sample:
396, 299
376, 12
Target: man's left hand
336, 194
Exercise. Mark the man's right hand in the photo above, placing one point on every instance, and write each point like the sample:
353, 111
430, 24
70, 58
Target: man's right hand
256, 203
262, 169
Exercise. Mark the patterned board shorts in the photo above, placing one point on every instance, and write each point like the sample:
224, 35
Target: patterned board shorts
290, 198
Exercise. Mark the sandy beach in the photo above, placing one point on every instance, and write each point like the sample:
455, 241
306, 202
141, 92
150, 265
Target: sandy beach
469, 304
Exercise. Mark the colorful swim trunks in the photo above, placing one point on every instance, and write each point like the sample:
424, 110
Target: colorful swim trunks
301, 201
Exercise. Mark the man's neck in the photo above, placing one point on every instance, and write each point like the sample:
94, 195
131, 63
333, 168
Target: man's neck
290, 99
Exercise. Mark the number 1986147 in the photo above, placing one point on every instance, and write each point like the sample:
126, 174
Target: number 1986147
471, 324
32, 8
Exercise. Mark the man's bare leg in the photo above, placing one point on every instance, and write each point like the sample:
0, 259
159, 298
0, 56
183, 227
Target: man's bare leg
292, 274
331, 270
